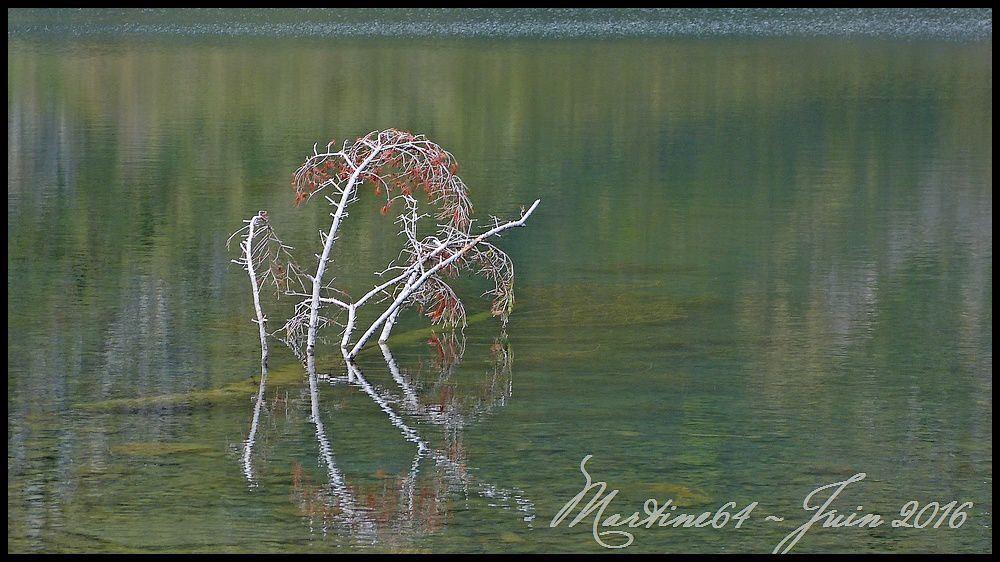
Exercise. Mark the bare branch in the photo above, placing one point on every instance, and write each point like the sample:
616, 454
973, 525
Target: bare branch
423, 278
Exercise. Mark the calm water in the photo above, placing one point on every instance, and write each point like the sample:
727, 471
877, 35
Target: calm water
761, 264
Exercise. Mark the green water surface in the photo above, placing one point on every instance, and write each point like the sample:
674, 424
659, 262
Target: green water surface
760, 265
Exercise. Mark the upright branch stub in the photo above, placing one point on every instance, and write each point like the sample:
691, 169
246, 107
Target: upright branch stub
397, 166
267, 261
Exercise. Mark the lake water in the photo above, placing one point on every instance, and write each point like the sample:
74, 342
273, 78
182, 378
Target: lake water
763, 262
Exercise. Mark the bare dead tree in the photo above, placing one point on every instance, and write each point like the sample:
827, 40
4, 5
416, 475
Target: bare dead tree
397, 166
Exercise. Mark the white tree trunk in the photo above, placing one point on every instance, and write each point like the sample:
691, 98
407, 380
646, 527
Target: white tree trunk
262, 330
324, 258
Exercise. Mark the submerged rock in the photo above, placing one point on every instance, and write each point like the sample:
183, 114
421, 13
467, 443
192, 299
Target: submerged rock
683, 496
159, 449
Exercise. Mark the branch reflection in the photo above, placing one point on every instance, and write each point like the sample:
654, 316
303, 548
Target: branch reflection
400, 508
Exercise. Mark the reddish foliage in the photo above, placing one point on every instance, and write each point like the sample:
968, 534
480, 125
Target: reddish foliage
399, 160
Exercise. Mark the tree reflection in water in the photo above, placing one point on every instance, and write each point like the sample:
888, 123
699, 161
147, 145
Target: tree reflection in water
407, 506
